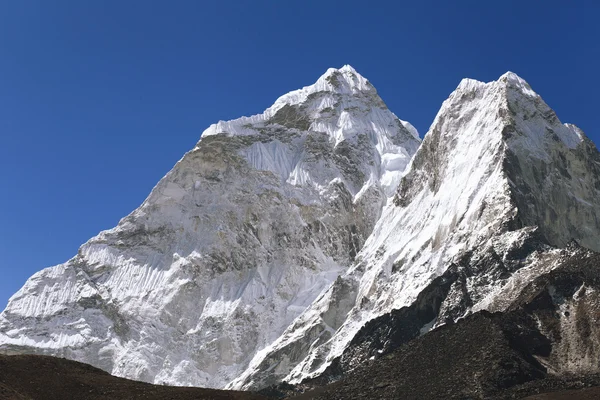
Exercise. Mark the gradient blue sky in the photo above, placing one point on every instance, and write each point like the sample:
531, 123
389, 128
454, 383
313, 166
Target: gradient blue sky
98, 99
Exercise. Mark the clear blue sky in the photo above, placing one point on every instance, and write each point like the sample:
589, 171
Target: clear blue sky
98, 99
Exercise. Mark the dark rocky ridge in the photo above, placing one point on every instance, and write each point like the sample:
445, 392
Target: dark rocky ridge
436, 304
547, 341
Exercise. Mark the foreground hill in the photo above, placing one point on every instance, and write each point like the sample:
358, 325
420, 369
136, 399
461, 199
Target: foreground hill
31, 377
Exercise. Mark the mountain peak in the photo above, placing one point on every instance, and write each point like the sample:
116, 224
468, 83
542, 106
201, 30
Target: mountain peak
505, 103
348, 67
230, 246
515, 82
348, 76
511, 76
508, 128
508, 79
267, 249
341, 103
344, 80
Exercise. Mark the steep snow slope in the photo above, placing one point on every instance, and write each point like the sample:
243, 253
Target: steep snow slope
230, 246
496, 185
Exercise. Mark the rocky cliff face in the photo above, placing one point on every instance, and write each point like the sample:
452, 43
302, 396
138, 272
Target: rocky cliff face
497, 187
231, 245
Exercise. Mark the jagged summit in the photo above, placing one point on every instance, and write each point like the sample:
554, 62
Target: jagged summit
346, 68
504, 125
508, 82
344, 80
513, 99
335, 81
507, 77
341, 108
335, 93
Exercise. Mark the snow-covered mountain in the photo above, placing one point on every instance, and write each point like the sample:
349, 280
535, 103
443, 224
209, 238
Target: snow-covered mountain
301, 242
497, 187
231, 245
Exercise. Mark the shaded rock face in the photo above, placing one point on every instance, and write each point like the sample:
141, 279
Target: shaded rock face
559, 310
564, 305
553, 170
230, 246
